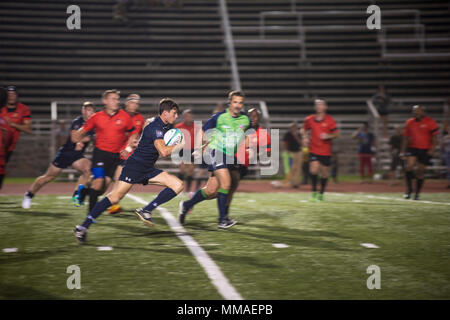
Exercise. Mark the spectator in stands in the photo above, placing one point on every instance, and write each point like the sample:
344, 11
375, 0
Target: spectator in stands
219, 108
445, 147
395, 143
18, 117
366, 141
381, 101
292, 143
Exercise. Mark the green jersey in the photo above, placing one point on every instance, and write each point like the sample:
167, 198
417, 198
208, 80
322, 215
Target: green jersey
227, 131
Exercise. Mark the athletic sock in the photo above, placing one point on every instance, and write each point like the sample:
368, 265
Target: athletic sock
165, 195
323, 184
29, 194
222, 196
83, 193
93, 197
314, 182
199, 196
419, 184
227, 210
409, 177
96, 212
188, 183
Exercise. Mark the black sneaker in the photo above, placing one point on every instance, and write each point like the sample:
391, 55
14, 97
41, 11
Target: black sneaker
181, 212
80, 234
416, 197
407, 195
228, 219
226, 223
145, 216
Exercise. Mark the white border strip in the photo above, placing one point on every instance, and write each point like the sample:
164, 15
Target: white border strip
370, 196
226, 290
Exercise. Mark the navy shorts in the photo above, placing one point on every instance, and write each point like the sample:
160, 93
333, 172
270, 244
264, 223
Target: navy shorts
421, 155
323, 160
64, 159
133, 175
219, 160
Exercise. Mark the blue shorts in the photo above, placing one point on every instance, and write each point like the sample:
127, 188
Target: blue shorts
64, 159
133, 175
219, 160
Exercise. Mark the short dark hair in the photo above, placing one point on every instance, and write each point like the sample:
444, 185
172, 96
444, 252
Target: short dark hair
108, 92
167, 104
234, 93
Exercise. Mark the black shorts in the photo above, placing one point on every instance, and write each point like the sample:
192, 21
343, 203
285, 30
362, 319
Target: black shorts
108, 161
219, 160
421, 155
134, 175
323, 160
64, 159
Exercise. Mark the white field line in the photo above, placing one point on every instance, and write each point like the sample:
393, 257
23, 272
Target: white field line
389, 198
218, 279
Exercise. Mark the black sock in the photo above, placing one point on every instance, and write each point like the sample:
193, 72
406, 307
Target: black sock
409, 177
83, 193
323, 184
227, 210
29, 194
93, 196
199, 183
188, 183
96, 212
314, 182
419, 184
74, 193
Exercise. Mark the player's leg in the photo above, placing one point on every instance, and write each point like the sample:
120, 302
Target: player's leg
324, 173
51, 173
208, 192
314, 171
189, 175
224, 179
409, 174
235, 179
83, 165
120, 189
420, 176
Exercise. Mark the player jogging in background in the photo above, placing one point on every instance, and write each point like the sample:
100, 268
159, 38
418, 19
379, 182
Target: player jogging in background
70, 154
18, 117
419, 143
228, 130
139, 168
131, 107
322, 130
112, 127
189, 130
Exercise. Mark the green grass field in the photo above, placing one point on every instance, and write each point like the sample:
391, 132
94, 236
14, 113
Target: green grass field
324, 260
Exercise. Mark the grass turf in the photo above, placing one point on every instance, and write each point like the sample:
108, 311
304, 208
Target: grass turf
324, 260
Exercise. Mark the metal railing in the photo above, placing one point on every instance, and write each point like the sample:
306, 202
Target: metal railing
228, 38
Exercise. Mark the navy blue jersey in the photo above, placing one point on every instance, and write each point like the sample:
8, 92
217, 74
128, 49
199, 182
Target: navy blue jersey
146, 153
77, 123
365, 142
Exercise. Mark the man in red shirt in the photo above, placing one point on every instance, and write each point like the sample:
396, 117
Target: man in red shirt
112, 126
420, 137
188, 129
322, 129
18, 117
131, 107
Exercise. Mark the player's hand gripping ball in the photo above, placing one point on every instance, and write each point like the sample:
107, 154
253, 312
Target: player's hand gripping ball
173, 137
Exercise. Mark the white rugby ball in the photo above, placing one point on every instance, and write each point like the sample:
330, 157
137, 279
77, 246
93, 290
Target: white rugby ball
173, 137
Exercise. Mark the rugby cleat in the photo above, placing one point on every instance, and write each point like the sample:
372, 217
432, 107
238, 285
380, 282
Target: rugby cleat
227, 223
144, 216
181, 212
314, 197
26, 203
416, 197
80, 234
114, 209
407, 195
320, 197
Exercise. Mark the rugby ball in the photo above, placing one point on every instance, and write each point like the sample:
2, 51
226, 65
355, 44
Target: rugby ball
173, 137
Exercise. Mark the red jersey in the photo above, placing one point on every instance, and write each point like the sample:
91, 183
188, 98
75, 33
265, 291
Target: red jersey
317, 144
420, 132
138, 122
192, 130
5, 140
17, 115
259, 141
110, 131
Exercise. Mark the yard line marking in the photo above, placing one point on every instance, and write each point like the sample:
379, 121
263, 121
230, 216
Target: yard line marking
9, 250
370, 245
218, 279
280, 245
106, 248
389, 198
